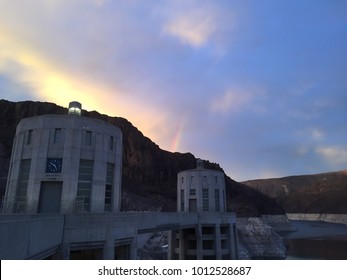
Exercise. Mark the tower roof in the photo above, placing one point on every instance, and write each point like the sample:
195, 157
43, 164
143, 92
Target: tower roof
75, 108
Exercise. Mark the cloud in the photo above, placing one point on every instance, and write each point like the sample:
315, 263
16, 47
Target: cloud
231, 100
302, 150
45, 79
192, 29
100, 2
310, 134
235, 98
50, 82
195, 23
111, 56
317, 134
162, 64
334, 155
87, 61
302, 89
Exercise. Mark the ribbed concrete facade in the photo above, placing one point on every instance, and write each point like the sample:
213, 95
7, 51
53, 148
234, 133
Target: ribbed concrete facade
64, 164
200, 190
203, 190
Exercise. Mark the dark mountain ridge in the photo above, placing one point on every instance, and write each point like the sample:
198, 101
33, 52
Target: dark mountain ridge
318, 193
149, 173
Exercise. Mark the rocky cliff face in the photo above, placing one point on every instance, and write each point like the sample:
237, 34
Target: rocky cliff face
319, 193
257, 240
149, 173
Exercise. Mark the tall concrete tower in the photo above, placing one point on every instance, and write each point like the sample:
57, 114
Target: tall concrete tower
65, 164
202, 191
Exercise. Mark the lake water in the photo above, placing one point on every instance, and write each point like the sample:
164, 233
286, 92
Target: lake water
317, 240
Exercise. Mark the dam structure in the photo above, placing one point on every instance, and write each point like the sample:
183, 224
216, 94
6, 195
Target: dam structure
202, 191
63, 193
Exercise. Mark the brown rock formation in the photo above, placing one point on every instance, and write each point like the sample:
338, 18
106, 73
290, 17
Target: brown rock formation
318, 193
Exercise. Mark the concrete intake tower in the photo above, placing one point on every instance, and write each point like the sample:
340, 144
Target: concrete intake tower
202, 191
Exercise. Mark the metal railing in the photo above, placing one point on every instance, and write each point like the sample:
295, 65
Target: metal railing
81, 205
15, 207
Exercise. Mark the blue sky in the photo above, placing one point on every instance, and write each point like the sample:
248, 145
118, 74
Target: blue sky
259, 87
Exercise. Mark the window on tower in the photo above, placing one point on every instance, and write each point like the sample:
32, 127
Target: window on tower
217, 200
88, 139
109, 187
84, 186
182, 200
205, 204
29, 136
111, 143
57, 135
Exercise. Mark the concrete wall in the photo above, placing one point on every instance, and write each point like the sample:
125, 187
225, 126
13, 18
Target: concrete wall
41, 235
30, 236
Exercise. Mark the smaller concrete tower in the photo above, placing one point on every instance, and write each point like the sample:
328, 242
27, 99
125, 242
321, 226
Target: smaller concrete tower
201, 193
200, 190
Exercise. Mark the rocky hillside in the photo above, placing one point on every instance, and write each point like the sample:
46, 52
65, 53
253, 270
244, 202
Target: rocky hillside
149, 173
319, 193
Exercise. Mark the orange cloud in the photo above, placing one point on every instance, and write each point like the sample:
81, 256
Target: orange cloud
52, 82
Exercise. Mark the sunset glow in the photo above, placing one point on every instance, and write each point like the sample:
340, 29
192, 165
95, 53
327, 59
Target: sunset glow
259, 88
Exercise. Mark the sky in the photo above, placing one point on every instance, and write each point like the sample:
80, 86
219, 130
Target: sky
259, 87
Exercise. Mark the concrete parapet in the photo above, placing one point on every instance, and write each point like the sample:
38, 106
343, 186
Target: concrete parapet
30, 236
42, 235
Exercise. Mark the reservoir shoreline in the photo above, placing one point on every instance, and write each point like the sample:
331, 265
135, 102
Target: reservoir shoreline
316, 240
